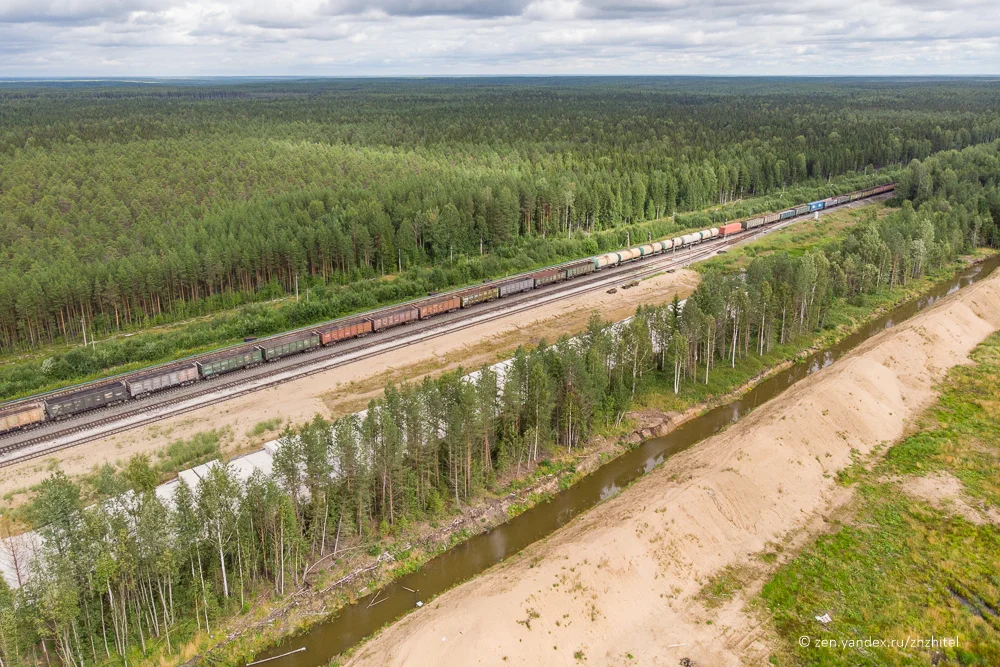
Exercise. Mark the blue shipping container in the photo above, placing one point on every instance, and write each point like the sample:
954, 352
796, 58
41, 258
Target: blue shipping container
816, 205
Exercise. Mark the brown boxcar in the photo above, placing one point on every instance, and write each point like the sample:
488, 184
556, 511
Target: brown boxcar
162, 379
395, 317
444, 304
474, 295
21, 416
549, 276
344, 330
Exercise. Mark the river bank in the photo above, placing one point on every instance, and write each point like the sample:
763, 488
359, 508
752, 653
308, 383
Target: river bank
645, 420
625, 580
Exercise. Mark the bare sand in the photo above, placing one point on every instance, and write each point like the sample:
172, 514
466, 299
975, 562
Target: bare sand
622, 584
348, 388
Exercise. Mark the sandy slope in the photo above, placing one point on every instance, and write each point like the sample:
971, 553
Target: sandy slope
348, 388
617, 583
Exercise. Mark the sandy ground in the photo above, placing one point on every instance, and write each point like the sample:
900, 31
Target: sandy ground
620, 584
945, 492
348, 388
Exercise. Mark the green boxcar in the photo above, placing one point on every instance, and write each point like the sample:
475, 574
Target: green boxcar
579, 268
230, 361
282, 347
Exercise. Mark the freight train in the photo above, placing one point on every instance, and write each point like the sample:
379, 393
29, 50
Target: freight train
26, 414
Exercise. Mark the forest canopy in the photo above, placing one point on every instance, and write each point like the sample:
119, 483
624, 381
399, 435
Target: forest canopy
123, 207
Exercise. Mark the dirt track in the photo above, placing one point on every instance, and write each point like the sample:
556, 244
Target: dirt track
348, 388
618, 585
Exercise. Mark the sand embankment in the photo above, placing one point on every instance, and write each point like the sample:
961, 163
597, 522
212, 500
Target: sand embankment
618, 584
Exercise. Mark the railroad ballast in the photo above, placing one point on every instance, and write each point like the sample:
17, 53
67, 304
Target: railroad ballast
29, 413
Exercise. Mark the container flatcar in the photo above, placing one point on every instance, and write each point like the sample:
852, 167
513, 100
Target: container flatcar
286, 345
345, 330
85, 399
162, 379
22, 416
444, 304
394, 318
549, 276
516, 286
579, 269
816, 206
471, 297
231, 360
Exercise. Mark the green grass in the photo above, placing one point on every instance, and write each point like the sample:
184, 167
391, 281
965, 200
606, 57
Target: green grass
900, 567
260, 428
199, 448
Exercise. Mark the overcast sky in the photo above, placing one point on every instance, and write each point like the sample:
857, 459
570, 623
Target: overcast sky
464, 37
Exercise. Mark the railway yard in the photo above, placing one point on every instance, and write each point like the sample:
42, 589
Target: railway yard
340, 378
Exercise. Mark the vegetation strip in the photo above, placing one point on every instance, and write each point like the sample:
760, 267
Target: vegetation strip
917, 553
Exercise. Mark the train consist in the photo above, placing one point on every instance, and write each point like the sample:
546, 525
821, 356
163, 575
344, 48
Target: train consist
31, 413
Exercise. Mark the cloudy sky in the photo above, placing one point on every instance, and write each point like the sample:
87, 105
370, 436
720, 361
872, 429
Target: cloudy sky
464, 37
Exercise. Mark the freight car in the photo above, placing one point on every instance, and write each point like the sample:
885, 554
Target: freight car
607, 259
549, 276
228, 361
477, 295
517, 285
816, 206
343, 330
394, 317
579, 268
731, 228
22, 416
162, 379
276, 348
85, 399
444, 304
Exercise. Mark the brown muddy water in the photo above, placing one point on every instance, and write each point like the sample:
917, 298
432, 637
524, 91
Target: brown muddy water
353, 623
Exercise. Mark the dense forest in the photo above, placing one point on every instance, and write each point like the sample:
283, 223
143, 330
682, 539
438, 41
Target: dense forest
126, 207
114, 578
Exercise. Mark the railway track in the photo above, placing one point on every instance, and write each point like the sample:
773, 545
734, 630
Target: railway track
181, 400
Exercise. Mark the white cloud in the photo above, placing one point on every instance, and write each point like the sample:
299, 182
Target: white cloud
392, 37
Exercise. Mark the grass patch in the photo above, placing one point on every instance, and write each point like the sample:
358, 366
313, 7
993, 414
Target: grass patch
901, 568
187, 453
260, 428
721, 588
